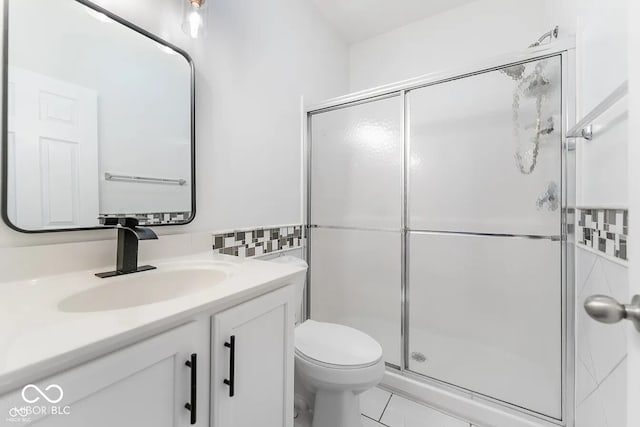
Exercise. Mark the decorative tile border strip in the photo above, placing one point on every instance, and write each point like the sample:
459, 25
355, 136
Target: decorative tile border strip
259, 241
156, 218
604, 230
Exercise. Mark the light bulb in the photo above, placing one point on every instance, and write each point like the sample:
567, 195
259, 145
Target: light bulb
194, 21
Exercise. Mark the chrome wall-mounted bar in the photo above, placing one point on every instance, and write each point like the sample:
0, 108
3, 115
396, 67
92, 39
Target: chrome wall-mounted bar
144, 179
585, 127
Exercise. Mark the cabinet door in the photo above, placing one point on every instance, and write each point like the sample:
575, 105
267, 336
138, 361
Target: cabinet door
262, 372
146, 384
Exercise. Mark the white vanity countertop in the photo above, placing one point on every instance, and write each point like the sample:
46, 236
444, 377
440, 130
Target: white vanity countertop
38, 339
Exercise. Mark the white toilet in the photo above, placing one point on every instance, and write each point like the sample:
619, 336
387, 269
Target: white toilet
334, 364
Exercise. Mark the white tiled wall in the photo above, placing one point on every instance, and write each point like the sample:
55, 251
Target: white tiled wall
602, 176
601, 349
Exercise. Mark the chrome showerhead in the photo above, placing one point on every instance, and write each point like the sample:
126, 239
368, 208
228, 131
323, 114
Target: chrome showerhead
551, 35
515, 72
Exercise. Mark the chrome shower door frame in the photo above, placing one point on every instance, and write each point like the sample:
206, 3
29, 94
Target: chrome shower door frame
566, 51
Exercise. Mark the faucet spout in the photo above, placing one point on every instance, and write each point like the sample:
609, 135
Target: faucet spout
129, 234
142, 233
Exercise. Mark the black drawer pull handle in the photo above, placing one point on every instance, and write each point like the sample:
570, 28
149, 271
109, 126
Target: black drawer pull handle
232, 365
193, 364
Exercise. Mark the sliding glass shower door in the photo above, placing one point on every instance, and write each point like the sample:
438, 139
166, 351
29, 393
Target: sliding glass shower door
355, 208
485, 281
436, 226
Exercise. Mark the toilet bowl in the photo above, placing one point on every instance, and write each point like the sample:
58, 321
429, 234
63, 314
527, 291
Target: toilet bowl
334, 364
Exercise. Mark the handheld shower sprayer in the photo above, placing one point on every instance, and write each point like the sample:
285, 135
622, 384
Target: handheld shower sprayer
535, 85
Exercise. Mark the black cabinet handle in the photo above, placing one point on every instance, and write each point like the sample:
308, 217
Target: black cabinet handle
232, 365
191, 406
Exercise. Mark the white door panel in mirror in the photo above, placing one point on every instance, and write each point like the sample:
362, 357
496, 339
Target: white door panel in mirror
137, 124
486, 152
486, 315
53, 144
356, 171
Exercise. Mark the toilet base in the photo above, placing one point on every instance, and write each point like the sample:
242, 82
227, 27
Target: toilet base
303, 419
336, 409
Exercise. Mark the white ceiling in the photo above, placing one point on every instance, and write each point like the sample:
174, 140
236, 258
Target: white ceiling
361, 19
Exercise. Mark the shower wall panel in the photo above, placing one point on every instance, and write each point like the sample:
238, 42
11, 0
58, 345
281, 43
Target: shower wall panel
485, 315
356, 170
355, 281
486, 152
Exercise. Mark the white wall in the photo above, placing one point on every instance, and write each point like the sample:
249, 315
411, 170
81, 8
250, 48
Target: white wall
474, 31
263, 57
256, 63
602, 181
602, 66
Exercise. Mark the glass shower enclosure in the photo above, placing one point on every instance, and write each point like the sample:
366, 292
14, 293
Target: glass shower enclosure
437, 223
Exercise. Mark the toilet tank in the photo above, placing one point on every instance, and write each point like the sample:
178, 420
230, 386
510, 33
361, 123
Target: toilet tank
298, 285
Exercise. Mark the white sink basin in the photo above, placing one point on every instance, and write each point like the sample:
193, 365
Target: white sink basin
144, 288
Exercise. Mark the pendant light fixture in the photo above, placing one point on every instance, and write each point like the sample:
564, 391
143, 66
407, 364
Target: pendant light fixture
194, 20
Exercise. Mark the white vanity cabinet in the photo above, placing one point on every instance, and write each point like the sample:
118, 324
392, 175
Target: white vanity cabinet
252, 351
144, 385
246, 350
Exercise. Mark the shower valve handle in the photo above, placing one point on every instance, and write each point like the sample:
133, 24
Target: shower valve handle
605, 309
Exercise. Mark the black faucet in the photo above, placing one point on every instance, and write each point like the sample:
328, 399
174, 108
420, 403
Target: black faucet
128, 236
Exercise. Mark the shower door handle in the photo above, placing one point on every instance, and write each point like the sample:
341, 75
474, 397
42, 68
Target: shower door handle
605, 309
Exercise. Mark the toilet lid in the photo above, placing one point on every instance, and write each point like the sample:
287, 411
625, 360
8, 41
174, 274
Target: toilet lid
338, 345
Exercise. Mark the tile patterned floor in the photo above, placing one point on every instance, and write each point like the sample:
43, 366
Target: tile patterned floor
383, 409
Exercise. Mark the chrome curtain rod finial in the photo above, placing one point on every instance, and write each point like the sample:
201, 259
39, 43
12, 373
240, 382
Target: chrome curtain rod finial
593, 121
587, 133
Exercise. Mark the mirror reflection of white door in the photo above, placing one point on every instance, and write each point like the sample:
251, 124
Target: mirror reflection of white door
53, 147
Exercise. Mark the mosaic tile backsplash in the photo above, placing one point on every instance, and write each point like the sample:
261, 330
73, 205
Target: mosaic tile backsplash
259, 241
156, 218
604, 230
